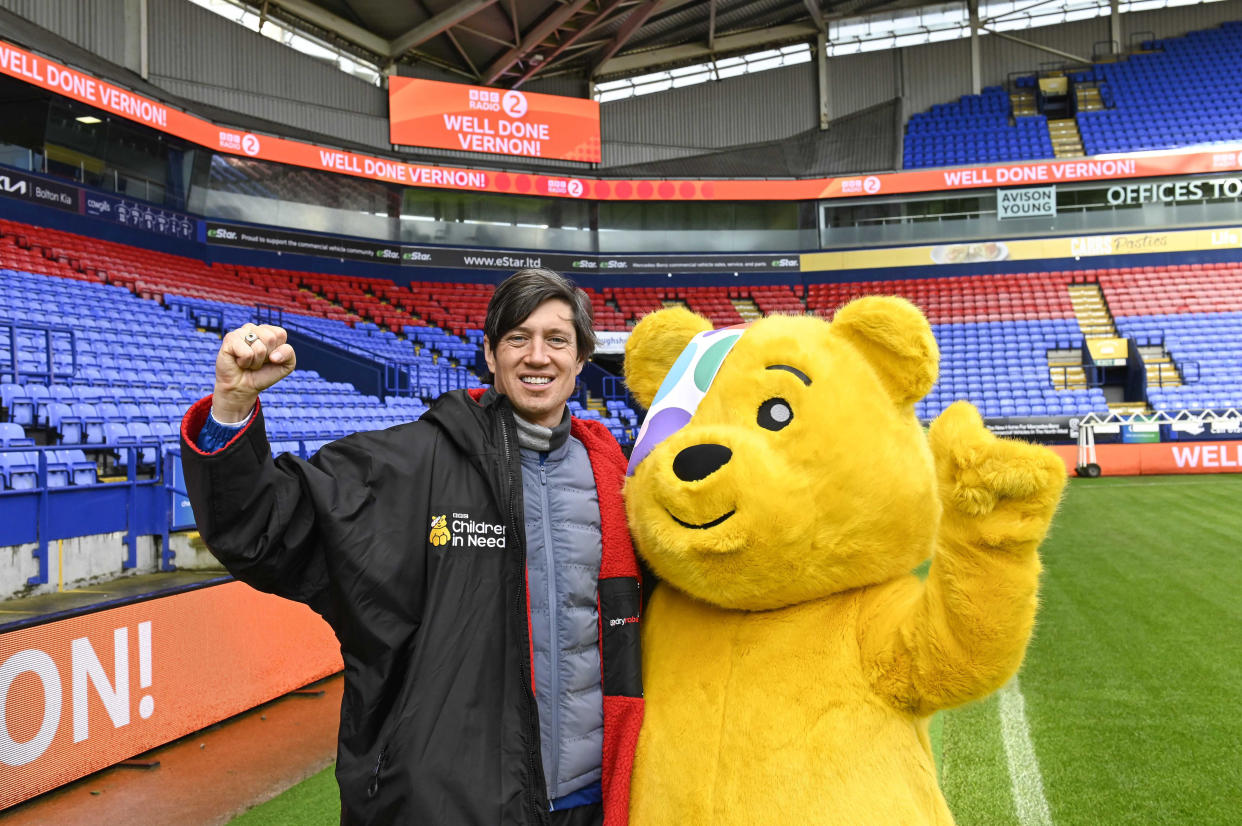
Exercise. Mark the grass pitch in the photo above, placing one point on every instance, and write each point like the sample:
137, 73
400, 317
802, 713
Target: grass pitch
1131, 686
315, 801
1134, 677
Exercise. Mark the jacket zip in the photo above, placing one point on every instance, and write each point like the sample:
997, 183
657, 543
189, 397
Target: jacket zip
554, 643
373, 787
532, 723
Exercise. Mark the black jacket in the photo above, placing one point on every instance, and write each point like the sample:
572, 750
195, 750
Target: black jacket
438, 723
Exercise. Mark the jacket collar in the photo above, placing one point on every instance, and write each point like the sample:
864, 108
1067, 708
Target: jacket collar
470, 422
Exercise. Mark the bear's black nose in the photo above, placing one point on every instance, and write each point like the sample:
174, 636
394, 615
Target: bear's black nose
700, 461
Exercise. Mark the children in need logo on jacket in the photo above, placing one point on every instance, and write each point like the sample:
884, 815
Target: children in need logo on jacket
439, 531
465, 532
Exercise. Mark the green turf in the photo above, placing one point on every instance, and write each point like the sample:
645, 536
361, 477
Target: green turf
1132, 683
315, 801
1134, 677
973, 773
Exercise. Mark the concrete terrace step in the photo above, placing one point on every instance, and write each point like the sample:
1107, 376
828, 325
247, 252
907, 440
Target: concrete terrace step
746, 308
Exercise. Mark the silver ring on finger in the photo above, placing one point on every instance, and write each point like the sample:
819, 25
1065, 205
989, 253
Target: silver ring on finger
250, 338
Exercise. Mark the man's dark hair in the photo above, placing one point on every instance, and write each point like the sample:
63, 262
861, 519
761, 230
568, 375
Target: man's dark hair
520, 294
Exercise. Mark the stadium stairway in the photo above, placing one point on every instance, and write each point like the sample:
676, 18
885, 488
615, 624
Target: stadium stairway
1090, 309
1022, 103
1161, 371
1066, 142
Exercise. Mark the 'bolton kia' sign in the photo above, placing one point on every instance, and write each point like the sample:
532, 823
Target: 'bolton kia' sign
499, 121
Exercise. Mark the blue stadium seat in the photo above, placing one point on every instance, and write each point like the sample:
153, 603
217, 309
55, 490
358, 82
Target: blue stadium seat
62, 420
22, 405
58, 471
109, 412
166, 431
82, 471
18, 470
13, 435
139, 430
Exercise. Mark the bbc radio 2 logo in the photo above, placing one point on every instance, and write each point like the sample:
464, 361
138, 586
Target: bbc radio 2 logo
247, 143
464, 532
566, 186
854, 186
514, 103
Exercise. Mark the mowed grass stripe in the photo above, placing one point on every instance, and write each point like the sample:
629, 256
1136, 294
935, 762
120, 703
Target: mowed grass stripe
1135, 673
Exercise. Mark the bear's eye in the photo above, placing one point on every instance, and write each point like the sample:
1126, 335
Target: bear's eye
775, 414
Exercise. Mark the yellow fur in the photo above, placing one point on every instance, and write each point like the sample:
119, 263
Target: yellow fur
654, 345
790, 658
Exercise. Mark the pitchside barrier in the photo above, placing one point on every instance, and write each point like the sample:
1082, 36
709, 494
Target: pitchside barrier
1161, 443
83, 693
1157, 459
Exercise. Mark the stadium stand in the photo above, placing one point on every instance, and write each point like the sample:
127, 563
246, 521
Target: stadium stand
1194, 313
1186, 92
994, 332
975, 129
119, 397
82, 395
1173, 93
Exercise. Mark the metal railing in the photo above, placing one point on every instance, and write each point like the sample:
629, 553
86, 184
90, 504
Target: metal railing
139, 504
13, 366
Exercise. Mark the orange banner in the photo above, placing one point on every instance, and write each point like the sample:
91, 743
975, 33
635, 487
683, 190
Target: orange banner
500, 121
83, 693
47, 74
1160, 458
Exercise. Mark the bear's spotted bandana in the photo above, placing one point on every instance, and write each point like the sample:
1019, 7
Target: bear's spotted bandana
683, 388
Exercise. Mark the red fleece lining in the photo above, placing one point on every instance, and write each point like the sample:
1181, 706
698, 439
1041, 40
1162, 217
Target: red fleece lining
196, 417
623, 718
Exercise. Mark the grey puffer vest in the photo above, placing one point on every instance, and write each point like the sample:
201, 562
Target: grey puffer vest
563, 548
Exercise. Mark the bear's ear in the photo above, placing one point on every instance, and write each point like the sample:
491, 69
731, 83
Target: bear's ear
654, 344
895, 338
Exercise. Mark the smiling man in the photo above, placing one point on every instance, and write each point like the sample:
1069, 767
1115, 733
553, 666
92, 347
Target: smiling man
474, 564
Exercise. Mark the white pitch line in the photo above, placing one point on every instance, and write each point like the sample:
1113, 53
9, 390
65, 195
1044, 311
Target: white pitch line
1027, 784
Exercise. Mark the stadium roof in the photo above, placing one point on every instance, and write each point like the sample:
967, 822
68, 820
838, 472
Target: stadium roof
508, 42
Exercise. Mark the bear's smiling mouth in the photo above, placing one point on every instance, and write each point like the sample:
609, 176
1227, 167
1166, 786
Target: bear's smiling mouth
705, 525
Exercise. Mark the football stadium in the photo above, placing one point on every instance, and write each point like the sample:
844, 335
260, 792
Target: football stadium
1055, 184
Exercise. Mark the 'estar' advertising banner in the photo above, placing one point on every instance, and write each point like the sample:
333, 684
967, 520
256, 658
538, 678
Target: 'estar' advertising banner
355, 249
499, 121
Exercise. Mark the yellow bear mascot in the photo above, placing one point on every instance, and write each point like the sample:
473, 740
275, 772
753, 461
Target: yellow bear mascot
784, 491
